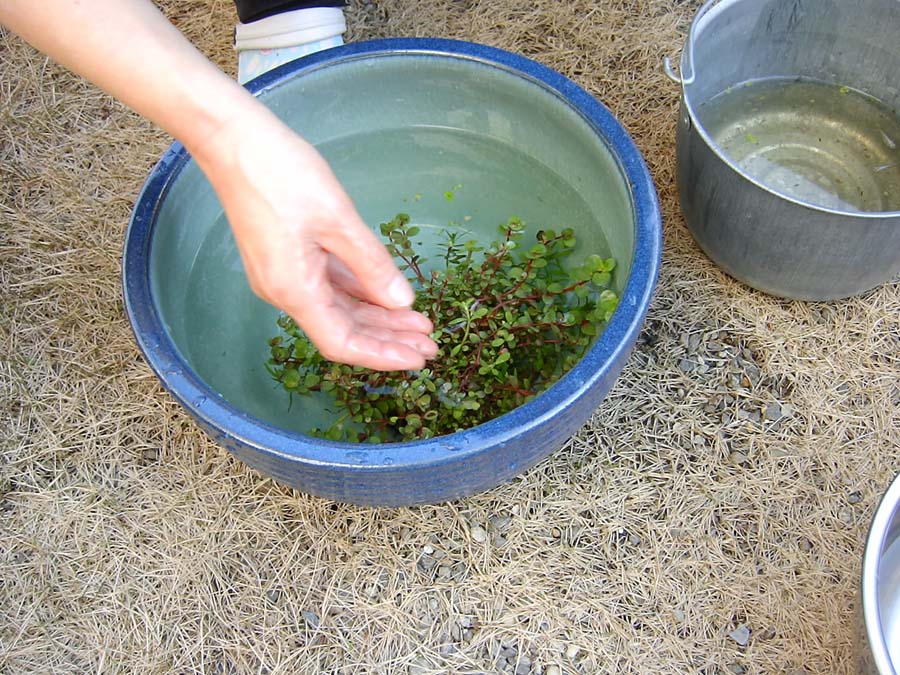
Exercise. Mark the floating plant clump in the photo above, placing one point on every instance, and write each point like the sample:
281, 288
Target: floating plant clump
509, 321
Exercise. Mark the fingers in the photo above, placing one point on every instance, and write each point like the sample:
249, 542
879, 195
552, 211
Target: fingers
367, 258
344, 279
368, 314
349, 331
401, 325
383, 350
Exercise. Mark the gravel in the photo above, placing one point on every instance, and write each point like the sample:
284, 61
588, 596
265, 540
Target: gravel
311, 618
741, 635
572, 652
479, 535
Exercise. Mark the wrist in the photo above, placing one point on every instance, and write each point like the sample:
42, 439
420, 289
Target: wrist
219, 129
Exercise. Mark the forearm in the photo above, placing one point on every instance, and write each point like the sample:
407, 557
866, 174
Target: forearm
129, 49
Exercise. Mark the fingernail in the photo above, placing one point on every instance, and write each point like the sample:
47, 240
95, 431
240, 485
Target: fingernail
401, 292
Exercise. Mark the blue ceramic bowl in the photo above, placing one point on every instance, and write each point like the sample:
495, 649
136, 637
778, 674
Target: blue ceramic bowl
403, 123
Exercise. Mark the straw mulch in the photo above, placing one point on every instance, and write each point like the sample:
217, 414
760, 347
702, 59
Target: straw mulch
720, 496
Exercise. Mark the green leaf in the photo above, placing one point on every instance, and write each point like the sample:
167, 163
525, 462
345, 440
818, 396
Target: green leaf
537, 251
291, 378
601, 278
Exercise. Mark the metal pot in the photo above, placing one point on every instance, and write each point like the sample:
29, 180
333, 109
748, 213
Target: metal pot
759, 233
878, 611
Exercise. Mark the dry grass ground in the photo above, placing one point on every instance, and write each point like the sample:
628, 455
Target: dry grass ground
129, 543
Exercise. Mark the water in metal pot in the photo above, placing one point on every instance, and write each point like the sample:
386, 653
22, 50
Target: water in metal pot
819, 143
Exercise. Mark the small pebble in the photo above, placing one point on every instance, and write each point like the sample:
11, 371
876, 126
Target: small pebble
854, 497
686, 366
736, 668
738, 458
741, 635
499, 523
428, 549
553, 669
846, 515
572, 652
773, 411
312, 620
679, 615
478, 534
751, 415
274, 595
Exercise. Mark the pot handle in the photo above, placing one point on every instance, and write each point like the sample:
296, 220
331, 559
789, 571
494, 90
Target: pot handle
685, 76
669, 70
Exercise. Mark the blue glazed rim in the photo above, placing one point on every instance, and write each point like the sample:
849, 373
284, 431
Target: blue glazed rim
278, 444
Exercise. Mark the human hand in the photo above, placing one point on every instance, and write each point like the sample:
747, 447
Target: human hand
305, 249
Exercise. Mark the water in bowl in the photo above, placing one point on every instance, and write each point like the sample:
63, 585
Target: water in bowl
826, 145
450, 178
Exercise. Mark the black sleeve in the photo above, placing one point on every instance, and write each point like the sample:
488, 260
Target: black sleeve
252, 10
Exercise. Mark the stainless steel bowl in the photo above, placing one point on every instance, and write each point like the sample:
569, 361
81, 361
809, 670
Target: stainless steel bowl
878, 643
825, 224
